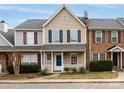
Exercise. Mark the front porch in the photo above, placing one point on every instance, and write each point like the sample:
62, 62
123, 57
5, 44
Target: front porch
117, 56
56, 61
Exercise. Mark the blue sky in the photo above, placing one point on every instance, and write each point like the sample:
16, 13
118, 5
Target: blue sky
16, 14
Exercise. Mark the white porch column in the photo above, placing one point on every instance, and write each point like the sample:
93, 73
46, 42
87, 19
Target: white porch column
121, 61
62, 61
52, 62
44, 59
41, 60
85, 60
111, 56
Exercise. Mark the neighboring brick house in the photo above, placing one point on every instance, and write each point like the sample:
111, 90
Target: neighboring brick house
106, 41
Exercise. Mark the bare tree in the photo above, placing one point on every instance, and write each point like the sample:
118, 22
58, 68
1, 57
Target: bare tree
3, 61
15, 58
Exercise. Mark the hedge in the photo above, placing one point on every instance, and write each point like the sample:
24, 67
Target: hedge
25, 69
105, 65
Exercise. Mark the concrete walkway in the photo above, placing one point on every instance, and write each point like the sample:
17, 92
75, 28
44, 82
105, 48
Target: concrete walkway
119, 79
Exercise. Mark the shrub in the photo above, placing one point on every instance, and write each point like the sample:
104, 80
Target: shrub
66, 69
43, 72
10, 69
82, 70
73, 69
25, 69
105, 65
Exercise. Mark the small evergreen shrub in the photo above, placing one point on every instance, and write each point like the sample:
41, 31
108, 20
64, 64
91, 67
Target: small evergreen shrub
82, 70
10, 69
43, 72
73, 70
66, 69
105, 65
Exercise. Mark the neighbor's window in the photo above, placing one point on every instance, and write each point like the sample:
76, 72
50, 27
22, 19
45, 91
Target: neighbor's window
98, 56
74, 59
114, 37
55, 36
30, 38
48, 57
98, 37
74, 35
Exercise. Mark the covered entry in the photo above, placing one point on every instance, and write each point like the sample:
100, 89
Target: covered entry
116, 56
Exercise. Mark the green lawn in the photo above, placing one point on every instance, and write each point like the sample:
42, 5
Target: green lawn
87, 75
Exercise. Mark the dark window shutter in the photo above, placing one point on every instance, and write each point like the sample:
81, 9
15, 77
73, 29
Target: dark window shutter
68, 35
119, 36
35, 38
39, 58
50, 36
103, 36
61, 35
24, 37
109, 36
79, 35
93, 36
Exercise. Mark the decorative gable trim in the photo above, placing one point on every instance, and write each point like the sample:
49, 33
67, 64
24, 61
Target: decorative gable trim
63, 6
116, 49
6, 40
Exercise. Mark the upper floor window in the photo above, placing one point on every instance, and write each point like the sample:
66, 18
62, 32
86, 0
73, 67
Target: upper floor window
55, 36
98, 37
74, 36
98, 56
114, 37
30, 38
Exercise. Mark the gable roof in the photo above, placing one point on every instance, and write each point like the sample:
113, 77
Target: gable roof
31, 24
63, 6
115, 48
104, 24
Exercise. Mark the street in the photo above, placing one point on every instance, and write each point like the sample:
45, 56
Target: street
64, 86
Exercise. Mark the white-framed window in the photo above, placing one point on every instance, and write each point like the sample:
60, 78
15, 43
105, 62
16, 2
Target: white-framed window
30, 38
48, 57
74, 59
98, 36
55, 36
29, 58
114, 37
98, 56
73, 35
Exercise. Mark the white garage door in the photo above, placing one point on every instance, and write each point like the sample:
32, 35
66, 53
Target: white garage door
29, 58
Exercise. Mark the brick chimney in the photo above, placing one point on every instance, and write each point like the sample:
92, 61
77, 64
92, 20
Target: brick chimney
4, 26
85, 18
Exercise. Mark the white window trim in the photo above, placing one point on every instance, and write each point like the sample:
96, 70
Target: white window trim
77, 36
96, 36
98, 55
58, 36
116, 37
47, 55
77, 58
32, 37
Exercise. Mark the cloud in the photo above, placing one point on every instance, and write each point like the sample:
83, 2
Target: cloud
108, 6
21, 9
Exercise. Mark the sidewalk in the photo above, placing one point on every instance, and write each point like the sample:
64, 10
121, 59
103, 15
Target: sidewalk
119, 79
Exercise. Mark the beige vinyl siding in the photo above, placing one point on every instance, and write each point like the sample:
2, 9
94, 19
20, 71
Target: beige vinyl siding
19, 37
3, 42
71, 23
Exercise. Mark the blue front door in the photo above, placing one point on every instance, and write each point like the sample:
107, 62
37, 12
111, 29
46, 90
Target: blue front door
58, 62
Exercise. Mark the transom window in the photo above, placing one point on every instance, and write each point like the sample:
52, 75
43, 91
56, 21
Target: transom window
74, 35
114, 37
74, 59
48, 57
98, 56
55, 36
98, 37
30, 38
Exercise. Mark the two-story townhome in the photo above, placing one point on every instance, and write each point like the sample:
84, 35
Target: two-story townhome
106, 41
53, 43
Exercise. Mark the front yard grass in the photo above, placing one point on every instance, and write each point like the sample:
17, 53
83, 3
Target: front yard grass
87, 75
21, 76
